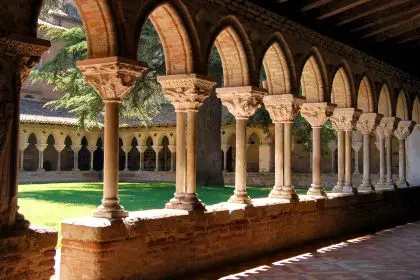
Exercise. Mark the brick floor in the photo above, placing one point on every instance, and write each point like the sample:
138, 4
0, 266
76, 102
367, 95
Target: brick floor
389, 254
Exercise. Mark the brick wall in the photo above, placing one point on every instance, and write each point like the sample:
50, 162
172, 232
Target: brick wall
167, 243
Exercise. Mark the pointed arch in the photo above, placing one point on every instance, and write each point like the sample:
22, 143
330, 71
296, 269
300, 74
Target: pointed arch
416, 110
384, 103
341, 90
402, 107
365, 96
278, 67
312, 79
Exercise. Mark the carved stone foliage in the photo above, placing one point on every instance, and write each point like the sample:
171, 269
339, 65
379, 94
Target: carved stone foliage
403, 129
344, 118
388, 125
242, 102
368, 122
282, 107
112, 77
187, 92
316, 113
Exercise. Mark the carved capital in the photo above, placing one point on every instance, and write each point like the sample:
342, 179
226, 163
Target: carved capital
112, 77
59, 148
76, 148
225, 147
316, 113
41, 147
187, 92
283, 107
157, 149
141, 149
344, 119
172, 148
356, 146
242, 102
368, 122
126, 149
403, 129
388, 125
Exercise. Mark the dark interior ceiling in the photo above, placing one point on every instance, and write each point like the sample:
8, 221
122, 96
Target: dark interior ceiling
386, 29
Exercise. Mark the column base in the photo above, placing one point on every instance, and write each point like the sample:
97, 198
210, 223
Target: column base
240, 197
349, 188
366, 186
284, 192
402, 184
338, 188
383, 186
390, 185
275, 192
316, 190
186, 201
40, 170
110, 209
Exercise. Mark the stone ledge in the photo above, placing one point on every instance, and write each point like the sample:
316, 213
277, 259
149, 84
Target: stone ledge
151, 244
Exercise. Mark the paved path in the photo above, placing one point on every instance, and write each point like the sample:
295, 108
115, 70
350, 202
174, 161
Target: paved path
390, 254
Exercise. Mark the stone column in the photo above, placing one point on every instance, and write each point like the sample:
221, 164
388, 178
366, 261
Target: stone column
332, 146
225, 149
380, 184
242, 102
172, 150
141, 150
41, 148
344, 120
356, 147
92, 150
76, 149
366, 124
126, 150
59, 149
283, 109
388, 124
157, 150
187, 93
113, 78
402, 132
316, 114
23, 147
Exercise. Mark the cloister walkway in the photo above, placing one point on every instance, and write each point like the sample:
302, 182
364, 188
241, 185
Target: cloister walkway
389, 254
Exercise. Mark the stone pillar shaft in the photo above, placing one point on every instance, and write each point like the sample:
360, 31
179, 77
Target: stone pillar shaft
381, 180
288, 155
21, 160
340, 161
388, 146
279, 156
157, 160
172, 162
316, 156
76, 160
401, 162
181, 159
240, 163
348, 185
366, 182
191, 152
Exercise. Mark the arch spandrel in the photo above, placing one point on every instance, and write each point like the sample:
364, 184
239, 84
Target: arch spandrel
402, 107
341, 89
384, 102
365, 96
312, 79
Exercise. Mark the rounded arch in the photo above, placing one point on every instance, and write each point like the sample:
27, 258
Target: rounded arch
384, 102
402, 107
342, 88
313, 78
176, 34
365, 96
416, 111
235, 52
278, 66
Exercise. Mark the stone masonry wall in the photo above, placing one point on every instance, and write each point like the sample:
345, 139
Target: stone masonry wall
28, 255
158, 244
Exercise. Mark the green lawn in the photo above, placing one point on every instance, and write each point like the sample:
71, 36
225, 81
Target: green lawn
49, 204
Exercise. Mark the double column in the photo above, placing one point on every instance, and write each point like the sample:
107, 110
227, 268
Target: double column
76, 149
41, 148
343, 121
402, 132
385, 131
242, 102
316, 114
366, 124
187, 93
283, 109
113, 78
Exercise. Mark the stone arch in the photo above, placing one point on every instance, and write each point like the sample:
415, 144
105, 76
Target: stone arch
279, 67
313, 78
416, 111
384, 102
341, 89
50, 155
235, 52
31, 154
176, 34
402, 107
365, 96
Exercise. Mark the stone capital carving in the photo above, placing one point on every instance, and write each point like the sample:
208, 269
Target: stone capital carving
59, 148
388, 125
91, 148
344, 119
112, 77
172, 149
283, 107
126, 149
225, 147
23, 146
403, 129
242, 102
157, 149
368, 122
332, 145
76, 148
356, 146
141, 149
41, 147
187, 92
316, 113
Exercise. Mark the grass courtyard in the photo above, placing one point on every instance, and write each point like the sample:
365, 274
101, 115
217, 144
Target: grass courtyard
49, 204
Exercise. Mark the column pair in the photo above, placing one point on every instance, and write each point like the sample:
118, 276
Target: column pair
316, 114
59, 148
113, 78
141, 149
225, 148
76, 149
366, 124
403, 130
343, 121
157, 150
283, 109
22, 147
41, 148
187, 93
384, 132
242, 102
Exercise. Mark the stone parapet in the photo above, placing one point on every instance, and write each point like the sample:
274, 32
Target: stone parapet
151, 244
